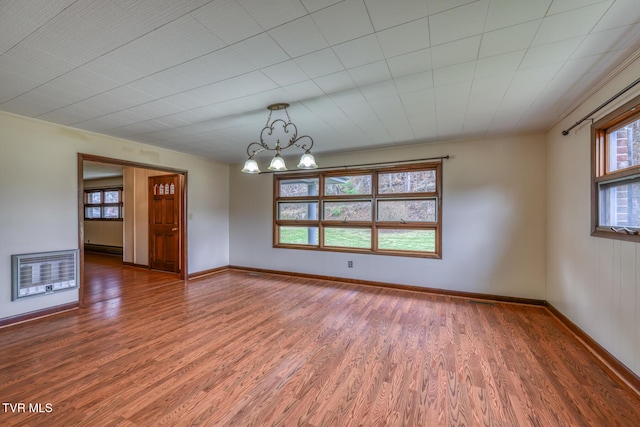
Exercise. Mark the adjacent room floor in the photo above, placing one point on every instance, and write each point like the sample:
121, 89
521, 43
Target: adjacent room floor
244, 349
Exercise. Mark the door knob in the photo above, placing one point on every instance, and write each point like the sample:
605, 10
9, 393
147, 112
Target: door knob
174, 229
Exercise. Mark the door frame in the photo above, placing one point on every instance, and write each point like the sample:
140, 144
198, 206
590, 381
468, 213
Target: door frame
119, 162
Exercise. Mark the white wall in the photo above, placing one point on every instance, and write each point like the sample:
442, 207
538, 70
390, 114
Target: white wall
595, 282
494, 205
39, 209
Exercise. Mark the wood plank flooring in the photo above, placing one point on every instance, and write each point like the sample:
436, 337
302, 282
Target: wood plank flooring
106, 278
243, 349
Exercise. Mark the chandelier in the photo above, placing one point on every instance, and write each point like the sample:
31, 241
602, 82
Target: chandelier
289, 131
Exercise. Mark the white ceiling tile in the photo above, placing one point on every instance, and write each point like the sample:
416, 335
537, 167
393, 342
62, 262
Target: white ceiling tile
21, 18
226, 63
34, 63
14, 85
385, 89
100, 26
154, 109
111, 70
455, 52
489, 90
413, 82
285, 73
504, 13
153, 84
370, 73
229, 21
299, 37
498, 64
459, 23
314, 5
566, 5
419, 102
550, 53
453, 96
67, 49
236, 87
410, 63
261, 51
335, 82
155, 13
437, 6
605, 41
320, 63
405, 38
454, 73
271, 13
343, 21
621, 13
34, 103
303, 90
85, 82
358, 52
387, 14
131, 95
575, 23
348, 98
508, 39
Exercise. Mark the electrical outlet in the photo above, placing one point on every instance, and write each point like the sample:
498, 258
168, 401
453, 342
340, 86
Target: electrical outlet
48, 288
350, 264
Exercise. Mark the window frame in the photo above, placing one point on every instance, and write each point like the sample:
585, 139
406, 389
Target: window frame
600, 174
102, 205
373, 198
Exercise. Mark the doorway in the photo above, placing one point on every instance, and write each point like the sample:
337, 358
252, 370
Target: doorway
136, 241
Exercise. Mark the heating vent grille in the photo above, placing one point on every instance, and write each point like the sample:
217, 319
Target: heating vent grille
44, 273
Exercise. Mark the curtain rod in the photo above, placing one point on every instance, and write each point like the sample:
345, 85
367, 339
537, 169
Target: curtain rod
604, 104
399, 162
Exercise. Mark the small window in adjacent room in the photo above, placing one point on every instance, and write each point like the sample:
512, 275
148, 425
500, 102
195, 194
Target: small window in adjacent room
103, 204
391, 211
615, 209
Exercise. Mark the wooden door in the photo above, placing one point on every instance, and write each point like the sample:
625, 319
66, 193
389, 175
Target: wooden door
164, 222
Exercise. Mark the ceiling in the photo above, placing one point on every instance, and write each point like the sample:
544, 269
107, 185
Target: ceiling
196, 75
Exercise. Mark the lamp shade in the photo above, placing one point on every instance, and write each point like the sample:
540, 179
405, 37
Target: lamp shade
307, 161
251, 166
277, 164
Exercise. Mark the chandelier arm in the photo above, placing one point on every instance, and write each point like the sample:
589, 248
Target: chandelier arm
261, 147
304, 146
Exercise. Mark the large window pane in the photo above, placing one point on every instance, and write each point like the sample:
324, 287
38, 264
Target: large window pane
299, 187
620, 204
407, 182
347, 211
348, 237
347, 185
298, 210
407, 210
298, 235
624, 146
407, 240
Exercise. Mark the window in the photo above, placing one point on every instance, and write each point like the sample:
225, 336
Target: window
103, 204
391, 211
616, 174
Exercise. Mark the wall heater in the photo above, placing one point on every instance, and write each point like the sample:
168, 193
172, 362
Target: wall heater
44, 273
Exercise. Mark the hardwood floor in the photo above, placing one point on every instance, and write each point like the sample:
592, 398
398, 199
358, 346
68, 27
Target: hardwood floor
106, 278
244, 349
